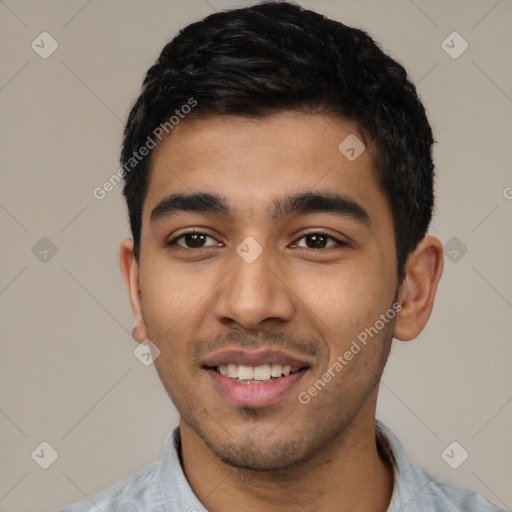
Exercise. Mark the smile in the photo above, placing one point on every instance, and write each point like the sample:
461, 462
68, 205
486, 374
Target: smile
257, 386
255, 374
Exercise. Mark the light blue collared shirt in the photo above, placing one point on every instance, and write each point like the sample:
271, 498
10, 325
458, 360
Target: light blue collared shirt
162, 487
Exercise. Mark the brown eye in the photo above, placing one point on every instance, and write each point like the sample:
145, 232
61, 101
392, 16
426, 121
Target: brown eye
318, 241
192, 240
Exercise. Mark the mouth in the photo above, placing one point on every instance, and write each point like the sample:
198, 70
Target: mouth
254, 378
255, 374
255, 386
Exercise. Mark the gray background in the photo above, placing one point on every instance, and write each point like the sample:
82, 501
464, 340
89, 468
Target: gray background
68, 373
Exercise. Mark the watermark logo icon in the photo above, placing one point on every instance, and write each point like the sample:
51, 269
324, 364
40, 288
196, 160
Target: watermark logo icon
146, 352
44, 455
454, 45
249, 249
454, 249
44, 45
351, 147
44, 250
454, 455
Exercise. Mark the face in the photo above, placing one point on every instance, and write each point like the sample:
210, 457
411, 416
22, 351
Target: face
246, 278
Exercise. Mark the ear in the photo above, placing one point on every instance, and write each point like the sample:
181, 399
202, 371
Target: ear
423, 271
130, 271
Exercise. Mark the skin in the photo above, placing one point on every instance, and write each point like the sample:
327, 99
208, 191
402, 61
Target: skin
308, 300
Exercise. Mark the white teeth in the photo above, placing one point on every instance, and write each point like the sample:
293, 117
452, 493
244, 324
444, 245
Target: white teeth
232, 371
245, 372
262, 372
276, 371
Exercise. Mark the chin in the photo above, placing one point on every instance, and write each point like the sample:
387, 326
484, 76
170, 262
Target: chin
261, 462
258, 455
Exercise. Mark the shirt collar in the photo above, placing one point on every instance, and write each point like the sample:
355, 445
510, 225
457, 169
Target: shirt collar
411, 482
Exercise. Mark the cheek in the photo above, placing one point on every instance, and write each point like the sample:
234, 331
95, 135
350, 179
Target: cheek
342, 305
344, 299
174, 302
170, 296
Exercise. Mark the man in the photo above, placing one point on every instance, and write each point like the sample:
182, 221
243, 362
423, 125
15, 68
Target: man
279, 182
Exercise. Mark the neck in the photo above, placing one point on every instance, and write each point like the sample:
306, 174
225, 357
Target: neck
347, 475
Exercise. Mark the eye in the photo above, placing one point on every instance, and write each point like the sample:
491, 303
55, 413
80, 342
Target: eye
319, 241
197, 240
192, 240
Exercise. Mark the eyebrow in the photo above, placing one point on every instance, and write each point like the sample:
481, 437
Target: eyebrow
300, 203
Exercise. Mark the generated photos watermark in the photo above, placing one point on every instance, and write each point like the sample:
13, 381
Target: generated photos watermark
304, 397
158, 133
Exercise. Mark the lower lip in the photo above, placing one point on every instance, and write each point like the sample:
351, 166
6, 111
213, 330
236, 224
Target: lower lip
255, 395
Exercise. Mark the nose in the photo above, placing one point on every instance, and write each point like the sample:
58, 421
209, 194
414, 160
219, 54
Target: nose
252, 293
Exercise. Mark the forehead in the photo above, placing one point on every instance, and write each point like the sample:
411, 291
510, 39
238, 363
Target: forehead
253, 162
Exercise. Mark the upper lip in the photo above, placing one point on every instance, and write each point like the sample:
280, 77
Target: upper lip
254, 358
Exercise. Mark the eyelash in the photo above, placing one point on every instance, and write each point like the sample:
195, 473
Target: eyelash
174, 241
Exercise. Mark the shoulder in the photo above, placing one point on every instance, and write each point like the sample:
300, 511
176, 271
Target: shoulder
127, 495
416, 490
444, 496
159, 487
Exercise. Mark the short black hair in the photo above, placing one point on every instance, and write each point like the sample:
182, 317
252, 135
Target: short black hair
276, 56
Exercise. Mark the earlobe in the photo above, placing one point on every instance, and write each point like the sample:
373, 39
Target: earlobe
423, 271
130, 272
